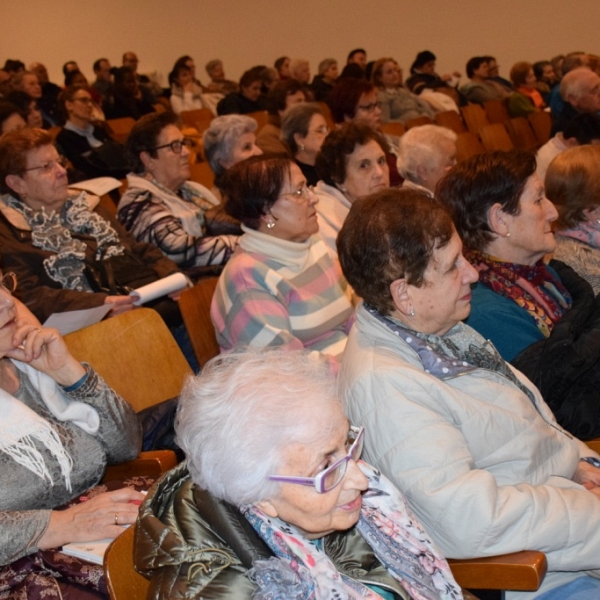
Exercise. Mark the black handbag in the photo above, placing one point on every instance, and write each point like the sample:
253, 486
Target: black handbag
119, 275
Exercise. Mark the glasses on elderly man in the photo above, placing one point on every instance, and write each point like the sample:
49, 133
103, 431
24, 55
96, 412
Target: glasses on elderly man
176, 146
8, 281
332, 476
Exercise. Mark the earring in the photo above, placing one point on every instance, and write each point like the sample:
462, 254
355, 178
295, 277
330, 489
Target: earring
412, 312
508, 234
270, 222
301, 147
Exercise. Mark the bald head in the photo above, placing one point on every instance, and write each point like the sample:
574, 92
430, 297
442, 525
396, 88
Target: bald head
130, 60
581, 88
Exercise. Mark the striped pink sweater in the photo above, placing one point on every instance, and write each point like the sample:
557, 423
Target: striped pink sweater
279, 293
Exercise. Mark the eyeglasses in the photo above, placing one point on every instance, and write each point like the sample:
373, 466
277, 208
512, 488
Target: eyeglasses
176, 146
332, 476
369, 107
8, 281
49, 166
304, 193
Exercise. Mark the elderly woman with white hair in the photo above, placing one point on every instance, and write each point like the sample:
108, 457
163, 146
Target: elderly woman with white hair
425, 155
304, 129
273, 501
229, 140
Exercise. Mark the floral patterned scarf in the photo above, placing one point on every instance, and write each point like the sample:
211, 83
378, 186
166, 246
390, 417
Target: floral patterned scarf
303, 571
52, 232
534, 288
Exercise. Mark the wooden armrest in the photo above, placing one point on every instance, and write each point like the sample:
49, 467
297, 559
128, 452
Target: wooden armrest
522, 571
150, 464
594, 445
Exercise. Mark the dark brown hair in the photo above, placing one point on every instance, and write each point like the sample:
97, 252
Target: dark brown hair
332, 159
253, 185
386, 237
144, 135
473, 186
344, 97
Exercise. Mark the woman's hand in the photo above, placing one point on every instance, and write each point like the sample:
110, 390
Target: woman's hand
120, 304
45, 350
95, 519
588, 476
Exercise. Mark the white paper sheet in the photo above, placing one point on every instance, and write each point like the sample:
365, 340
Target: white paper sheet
162, 287
73, 320
97, 186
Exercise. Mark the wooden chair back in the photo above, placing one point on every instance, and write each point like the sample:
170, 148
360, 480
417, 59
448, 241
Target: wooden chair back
261, 117
122, 580
202, 173
120, 128
522, 134
451, 120
418, 121
327, 114
496, 111
397, 129
474, 117
541, 123
194, 304
495, 137
467, 144
199, 119
136, 355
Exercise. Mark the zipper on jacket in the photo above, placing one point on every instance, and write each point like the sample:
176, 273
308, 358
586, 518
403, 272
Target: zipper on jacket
206, 565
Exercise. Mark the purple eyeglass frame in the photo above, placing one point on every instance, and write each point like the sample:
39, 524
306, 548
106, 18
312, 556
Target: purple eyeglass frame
319, 481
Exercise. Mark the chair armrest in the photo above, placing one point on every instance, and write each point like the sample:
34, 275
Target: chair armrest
522, 571
594, 445
151, 464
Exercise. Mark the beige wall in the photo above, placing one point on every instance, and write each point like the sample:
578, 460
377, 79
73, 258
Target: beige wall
248, 32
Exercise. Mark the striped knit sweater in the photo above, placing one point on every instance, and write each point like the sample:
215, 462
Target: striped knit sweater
278, 293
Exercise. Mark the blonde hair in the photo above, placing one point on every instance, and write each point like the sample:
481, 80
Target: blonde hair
573, 184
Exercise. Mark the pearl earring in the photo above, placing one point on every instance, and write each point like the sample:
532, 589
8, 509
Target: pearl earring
270, 222
301, 147
412, 311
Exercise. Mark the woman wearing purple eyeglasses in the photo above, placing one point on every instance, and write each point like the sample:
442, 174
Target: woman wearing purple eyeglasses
273, 500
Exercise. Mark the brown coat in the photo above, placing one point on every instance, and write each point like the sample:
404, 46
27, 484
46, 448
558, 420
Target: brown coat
44, 296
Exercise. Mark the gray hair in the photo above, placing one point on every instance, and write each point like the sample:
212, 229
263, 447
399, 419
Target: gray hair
419, 146
296, 64
325, 64
211, 64
574, 83
296, 119
236, 418
220, 138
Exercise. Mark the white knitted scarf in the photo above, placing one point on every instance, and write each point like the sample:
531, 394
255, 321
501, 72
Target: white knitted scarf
20, 425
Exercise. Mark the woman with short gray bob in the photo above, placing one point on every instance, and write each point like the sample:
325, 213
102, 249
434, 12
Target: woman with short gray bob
426, 154
304, 129
228, 140
273, 477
